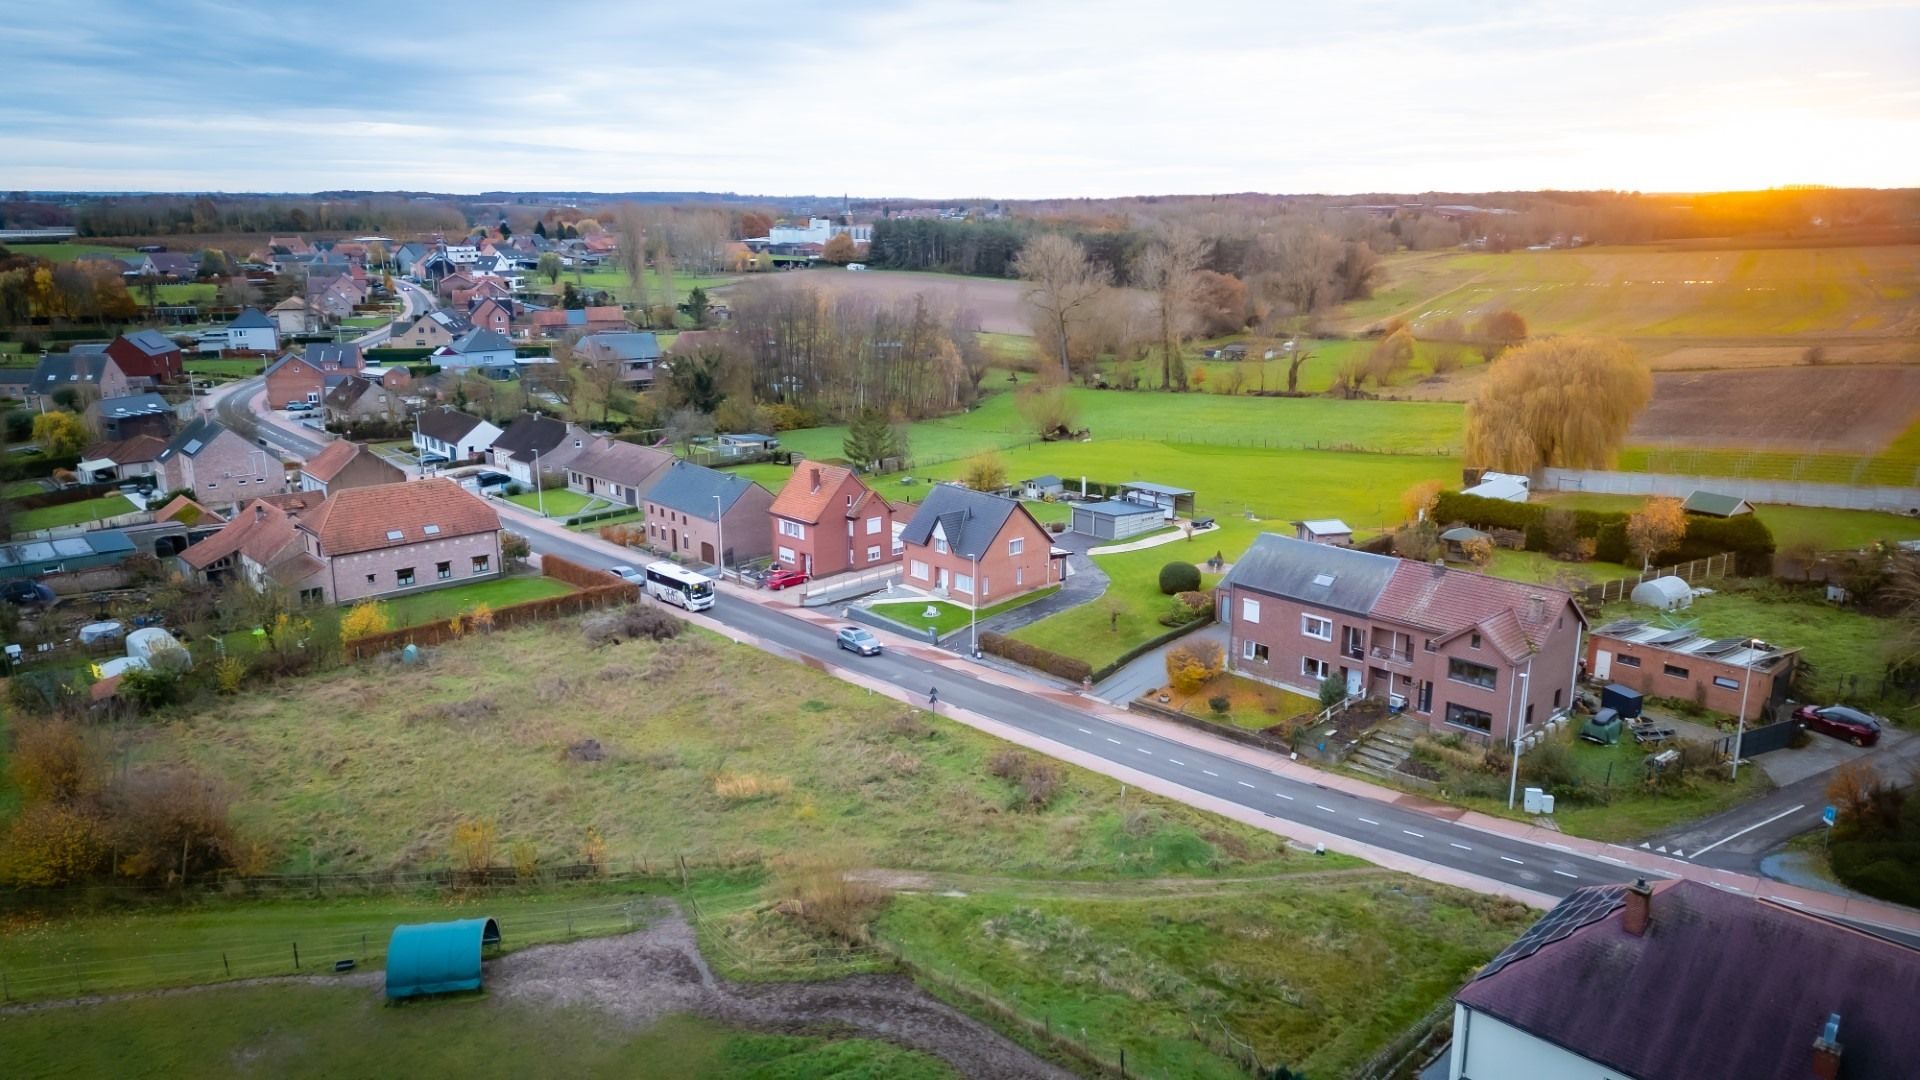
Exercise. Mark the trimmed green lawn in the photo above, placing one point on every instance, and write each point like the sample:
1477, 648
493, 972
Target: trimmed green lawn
312, 1031
17, 488
238, 369
559, 502
953, 616
618, 519
1541, 568
73, 513
1048, 512
435, 605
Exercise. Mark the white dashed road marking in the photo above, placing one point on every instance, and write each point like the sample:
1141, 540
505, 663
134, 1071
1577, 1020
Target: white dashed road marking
1243, 783
1144, 750
1283, 795
1328, 809
1511, 859
1369, 821
1456, 843
1176, 761
1563, 873
1410, 832
1083, 731
1209, 772
1115, 742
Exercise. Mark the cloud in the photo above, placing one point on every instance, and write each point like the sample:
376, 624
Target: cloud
963, 97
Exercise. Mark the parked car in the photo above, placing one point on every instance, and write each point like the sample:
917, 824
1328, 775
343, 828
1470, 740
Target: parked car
781, 579
628, 573
297, 406
493, 480
858, 640
433, 459
1856, 727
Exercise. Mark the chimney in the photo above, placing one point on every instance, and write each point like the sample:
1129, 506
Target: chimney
1826, 1050
259, 512
1536, 608
813, 474
1639, 908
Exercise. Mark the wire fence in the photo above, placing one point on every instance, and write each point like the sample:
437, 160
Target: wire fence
1696, 570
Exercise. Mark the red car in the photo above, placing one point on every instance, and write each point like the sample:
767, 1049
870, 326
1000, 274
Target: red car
781, 579
1840, 722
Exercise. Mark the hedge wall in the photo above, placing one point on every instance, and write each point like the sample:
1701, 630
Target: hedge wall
34, 466
1746, 536
1065, 667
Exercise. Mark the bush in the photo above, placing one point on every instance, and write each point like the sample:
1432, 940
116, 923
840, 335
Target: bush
1219, 703
1065, 667
1038, 781
1179, 577
1187, 607
1745, 536
172, 822
1333, 690
54, 761
635, 622
1191, 664
51, 844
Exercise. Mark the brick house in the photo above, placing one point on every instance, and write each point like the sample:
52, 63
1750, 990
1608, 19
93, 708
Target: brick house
617, 471
134, 414
956, 532
146, 353
1722, 674
90, 372
452, 434
361, 543
591, 320
692, 510
291, 378
634, 355
430, 331
493, 313
221, 468
343, 464
1455, 647
531, 440
350, 399
826, 521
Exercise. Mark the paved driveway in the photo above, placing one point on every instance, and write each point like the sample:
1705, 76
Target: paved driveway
1146, 672
1085, 581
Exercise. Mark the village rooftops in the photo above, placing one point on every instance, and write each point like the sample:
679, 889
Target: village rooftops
691, 490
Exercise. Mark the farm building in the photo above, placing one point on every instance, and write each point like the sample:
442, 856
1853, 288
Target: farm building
1324, 531
1170, 500
1115, 519
1509, 487
1719, 673
1714, 504
1664, 593
437, 958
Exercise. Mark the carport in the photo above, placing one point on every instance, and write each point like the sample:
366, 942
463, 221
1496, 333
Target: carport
437, 958
1170, 500
1115, 519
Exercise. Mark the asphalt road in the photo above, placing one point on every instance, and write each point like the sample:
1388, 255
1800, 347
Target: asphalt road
1380, 825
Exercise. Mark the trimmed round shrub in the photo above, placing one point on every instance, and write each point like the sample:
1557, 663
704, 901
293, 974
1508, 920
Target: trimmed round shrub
1179, 577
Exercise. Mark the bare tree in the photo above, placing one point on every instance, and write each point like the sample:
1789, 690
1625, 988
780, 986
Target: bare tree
1168, 268
1063, 286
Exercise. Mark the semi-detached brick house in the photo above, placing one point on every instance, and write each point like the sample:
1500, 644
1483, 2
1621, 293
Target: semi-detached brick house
957, 535
1464, 653
221, 468
692, 511
147, 353
826, 521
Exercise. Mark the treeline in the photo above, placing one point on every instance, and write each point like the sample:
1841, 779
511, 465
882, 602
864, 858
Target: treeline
33, 288
181, 215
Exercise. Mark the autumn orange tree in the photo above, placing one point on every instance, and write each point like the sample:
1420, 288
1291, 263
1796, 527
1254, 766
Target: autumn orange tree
1501, 330
364, 619
839, 250
1659, 525
1565, 402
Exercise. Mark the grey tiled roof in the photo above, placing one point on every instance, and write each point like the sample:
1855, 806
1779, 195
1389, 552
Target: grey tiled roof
1342, 579
968, 519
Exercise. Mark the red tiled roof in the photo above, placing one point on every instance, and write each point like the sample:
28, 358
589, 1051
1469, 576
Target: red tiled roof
326, 464
366, 519
1450, 602
130, 451
258, 531
800, 500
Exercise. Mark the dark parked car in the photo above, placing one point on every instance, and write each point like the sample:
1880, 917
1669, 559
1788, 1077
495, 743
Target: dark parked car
858, 640
1840, 722
781, 579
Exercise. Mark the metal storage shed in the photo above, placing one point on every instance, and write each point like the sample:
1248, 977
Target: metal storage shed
1115, 519
1171, 500
1664, 594
437, 958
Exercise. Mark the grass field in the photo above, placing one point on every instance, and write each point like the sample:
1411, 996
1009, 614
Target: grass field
233, 369
302, 1031
952, 616
559, 502
1896, 466
615, 282
73, 513
435, 605
1825, 529
1653, 291
67, 252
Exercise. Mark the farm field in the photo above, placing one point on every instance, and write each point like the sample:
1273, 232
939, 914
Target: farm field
1658, 291
995, 301
67, 252
1859, 410
615, 282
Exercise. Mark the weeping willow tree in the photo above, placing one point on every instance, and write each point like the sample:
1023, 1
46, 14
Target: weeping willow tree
1564, 402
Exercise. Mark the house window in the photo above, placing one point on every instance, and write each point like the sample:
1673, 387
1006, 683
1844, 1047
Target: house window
312, 596
1019, 577
1423, 703
793, 529
786, 556
1556, 697
873, 554
1675, 671
873, 526
1249, 609
1467, 671
1253, 650
1720, 681
939, 546
1313, 669
1627, 661
918, 569
1314, 626
1474, 639
1016, 545
1473, 719
369, 579
443, 571
403, 576
963, 583
482, 564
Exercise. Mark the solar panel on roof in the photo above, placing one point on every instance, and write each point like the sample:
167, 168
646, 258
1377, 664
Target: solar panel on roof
1671, 637
1620, 626
1721, 647
1586, 906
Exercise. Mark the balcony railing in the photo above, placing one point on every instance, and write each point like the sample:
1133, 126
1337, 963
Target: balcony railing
1398, 656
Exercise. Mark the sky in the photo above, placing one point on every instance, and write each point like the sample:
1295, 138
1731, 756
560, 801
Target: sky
960, 98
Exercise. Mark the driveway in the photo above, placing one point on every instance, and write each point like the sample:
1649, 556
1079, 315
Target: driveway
1085, 581
1146, 672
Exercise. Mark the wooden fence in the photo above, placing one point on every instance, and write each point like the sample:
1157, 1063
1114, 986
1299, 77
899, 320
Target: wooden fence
1708, 569
598, 590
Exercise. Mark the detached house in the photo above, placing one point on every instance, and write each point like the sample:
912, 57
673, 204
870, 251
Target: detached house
477, 348
351, 399
493, 313
221, 468
342, 464
826, 521
634, 355
1464, 653
977, 549
592, 320
357, 544
531, 442
452, 434
146, 353
135, 414
124, 459
430, 331
692, 511
617, 471
253, 332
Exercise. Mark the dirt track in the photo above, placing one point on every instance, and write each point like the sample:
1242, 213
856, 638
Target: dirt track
640, 977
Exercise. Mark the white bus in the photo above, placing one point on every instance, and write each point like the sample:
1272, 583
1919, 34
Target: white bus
671, 584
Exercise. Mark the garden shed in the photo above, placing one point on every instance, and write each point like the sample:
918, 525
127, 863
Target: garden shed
1115, 519
1170, 500
437, 958
1664, 594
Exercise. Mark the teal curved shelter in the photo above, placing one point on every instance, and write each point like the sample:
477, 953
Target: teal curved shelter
437, 958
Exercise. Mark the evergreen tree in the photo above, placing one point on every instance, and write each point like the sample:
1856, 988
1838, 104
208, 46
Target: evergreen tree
539, 228
870, 439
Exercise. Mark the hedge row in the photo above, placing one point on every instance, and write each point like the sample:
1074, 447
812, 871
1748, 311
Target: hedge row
1147, 646
1065, 667
34, 466
1745, 536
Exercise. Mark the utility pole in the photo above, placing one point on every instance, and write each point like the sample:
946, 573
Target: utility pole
973, 613
1513, 780
539, 493
1740, 732
719, 539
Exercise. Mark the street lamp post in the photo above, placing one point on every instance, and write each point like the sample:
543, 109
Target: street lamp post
539, 492
1513, 780
973, 613
1740, 732
719, 540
